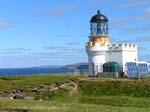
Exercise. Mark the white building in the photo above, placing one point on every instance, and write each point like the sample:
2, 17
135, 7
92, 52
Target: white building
100, 50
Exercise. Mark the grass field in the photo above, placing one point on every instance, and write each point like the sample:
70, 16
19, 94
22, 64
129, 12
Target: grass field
25, 81
94, 94
47, 106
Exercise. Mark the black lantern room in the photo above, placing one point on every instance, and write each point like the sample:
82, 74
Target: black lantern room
99, 25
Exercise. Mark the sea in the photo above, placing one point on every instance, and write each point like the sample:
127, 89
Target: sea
28, 71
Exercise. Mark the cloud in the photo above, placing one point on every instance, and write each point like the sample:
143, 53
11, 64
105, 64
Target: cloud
132, 40
146, 10
134, 3
65, 49
59, 11
74, 51
50, 54
39, 12
120, 20
144, 56
9, 52
143, 49
5, 25
135, 29
14, 51
144, 15
53, 47
72, 43
61, 55
143, 39
120, 40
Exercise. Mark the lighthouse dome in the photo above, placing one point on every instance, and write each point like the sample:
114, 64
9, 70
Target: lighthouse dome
98, 18
99, 25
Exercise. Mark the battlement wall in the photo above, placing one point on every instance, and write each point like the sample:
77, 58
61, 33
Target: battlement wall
124, 46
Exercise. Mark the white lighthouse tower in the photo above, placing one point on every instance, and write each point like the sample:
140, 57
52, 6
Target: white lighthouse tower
98, 44
100, 51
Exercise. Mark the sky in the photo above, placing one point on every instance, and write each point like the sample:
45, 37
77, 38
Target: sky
54, 32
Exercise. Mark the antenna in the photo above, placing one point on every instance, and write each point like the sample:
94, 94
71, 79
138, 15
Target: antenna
98, 12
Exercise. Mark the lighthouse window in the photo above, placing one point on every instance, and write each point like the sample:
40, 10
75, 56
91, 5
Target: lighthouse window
99, 24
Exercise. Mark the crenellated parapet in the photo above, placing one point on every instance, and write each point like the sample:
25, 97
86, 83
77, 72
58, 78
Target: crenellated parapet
122, 47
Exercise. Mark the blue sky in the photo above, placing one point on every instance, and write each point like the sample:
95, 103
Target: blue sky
54, 32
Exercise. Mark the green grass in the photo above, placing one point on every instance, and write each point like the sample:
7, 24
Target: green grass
133, 88
9, 82
96, 95
119, 101
25, 82
47, 106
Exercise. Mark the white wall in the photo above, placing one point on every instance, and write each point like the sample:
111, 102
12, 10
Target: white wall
94, 64
122, 53
114, 56
97, 56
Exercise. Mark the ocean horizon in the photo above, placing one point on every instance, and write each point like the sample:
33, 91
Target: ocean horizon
29, 71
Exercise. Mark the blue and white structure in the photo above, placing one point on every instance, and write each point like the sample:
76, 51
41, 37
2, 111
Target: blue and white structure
98, 44
136, 69
100, 50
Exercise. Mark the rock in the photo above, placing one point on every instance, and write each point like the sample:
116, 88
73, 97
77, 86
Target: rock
1, 92
17, 96
28, 98
17, 91
40, 100
57, 84
13, 91
44, 86
11, 95
20, 90
11, 98
34, 90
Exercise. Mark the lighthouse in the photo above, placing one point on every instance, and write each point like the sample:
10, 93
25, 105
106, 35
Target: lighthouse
98, 43
100, 52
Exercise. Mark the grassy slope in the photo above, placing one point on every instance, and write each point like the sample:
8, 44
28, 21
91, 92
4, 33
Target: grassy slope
94, 96
133, 88
9, 82
47, 106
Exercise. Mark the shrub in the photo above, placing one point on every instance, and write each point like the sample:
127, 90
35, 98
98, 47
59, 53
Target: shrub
132, 88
